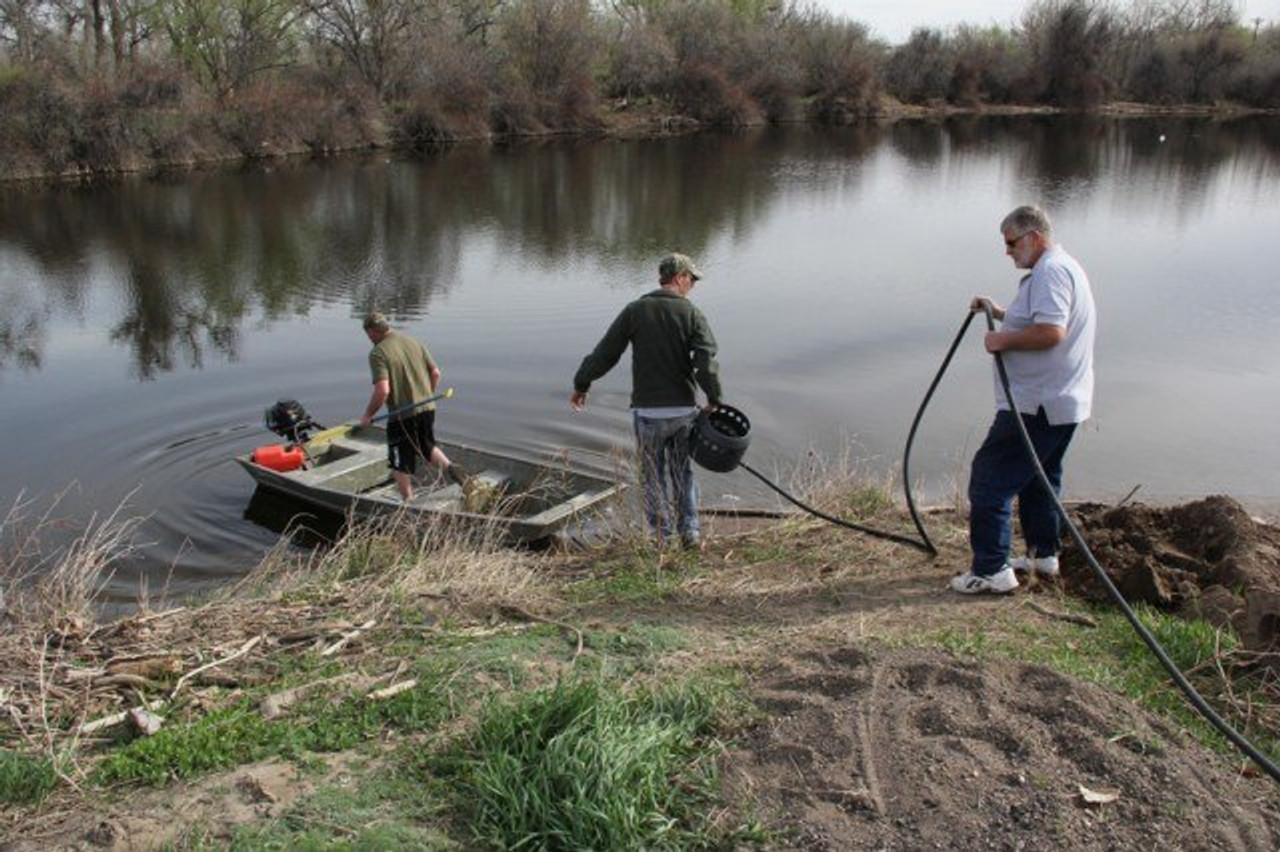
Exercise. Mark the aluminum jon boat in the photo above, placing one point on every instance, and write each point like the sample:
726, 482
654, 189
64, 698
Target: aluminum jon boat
348, 474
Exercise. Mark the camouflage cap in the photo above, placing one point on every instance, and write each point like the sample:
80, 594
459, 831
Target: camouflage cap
675, 263
376, 320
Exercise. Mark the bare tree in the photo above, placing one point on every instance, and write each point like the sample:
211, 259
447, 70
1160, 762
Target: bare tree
227, 42
549, 43
919, 71
1069, 41
21, 27
374, 36
1208, 59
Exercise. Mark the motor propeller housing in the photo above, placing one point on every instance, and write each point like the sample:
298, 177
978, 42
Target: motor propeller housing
288, 419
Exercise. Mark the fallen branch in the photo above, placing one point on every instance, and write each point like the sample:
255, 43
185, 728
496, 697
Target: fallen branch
314, 631
517, 612
347, 637
244, 649
116, 718
394, 689
274, 706
113, 681
1083, 620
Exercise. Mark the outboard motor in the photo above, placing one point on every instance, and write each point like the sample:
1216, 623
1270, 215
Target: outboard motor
288, 419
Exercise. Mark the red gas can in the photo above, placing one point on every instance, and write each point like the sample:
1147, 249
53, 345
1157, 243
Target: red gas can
279, 457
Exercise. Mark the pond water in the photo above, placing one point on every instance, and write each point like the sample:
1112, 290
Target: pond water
146, 324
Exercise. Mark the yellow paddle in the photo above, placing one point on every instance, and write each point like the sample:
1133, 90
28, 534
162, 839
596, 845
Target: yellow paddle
333, 432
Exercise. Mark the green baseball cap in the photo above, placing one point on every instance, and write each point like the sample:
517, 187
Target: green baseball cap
675, 263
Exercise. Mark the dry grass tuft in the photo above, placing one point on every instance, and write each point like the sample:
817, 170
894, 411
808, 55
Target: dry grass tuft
44, 586
404, 555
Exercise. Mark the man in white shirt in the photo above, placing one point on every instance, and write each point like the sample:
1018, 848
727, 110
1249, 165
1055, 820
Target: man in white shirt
1046, 341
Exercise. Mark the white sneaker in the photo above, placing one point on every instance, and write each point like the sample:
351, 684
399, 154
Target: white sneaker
1000, 583
1045, 566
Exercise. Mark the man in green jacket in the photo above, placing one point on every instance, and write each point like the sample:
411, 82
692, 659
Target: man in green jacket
672, 353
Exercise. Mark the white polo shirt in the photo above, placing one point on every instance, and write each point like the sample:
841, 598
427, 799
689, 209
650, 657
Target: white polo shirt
1056, 292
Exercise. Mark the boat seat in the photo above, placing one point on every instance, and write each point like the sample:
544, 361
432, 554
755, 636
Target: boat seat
342, 467
438, 499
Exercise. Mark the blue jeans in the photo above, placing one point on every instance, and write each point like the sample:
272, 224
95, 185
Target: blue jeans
1001, 471
663, 445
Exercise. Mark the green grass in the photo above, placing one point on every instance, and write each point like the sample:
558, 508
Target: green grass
587, 765
867, 501
224, 738
630, 580
326, 722
25, 779
239, 734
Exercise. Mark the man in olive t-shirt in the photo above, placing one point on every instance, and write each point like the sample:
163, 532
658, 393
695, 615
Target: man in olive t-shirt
404, 373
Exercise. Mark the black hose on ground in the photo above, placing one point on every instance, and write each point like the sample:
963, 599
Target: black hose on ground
1197, 701
926, 545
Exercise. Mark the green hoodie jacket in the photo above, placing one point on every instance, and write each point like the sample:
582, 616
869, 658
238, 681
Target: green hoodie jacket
671, 348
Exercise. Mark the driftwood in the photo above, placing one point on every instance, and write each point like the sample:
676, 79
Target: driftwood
347, 637
125, 681
394, 689
280, 703
115, 718
149, 666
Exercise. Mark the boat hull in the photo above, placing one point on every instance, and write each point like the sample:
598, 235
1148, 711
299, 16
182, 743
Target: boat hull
524, 501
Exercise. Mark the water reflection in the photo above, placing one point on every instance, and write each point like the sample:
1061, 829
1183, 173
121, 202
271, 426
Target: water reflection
193, 257
310, 529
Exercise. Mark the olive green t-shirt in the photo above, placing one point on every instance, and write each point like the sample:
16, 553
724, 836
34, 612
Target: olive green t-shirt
407, 365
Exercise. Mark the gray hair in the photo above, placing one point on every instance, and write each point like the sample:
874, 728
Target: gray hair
1028, 218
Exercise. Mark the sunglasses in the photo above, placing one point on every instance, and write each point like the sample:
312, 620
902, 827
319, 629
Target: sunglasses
1013, 242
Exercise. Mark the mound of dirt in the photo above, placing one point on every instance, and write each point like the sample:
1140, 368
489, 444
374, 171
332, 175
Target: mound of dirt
1208, 558
917, 749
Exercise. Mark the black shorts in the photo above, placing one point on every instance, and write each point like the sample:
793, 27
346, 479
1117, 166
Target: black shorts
410, 438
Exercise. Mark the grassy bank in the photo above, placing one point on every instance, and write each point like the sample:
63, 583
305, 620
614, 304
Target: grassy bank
420, 688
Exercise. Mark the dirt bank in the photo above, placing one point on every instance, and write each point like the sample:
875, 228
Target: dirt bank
895, 715
1206, 559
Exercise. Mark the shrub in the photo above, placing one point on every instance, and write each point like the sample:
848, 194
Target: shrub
150, 86
850, 96
1068, 40
987, 62
919, 71
703, 92
547, 44
774, 94
640, 61
515, 113
576, 106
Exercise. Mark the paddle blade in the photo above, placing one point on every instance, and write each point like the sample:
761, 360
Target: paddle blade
331, 434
